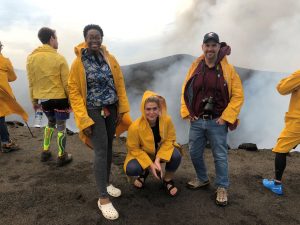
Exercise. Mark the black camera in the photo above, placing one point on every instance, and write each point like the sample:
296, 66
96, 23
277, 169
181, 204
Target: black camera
208, 105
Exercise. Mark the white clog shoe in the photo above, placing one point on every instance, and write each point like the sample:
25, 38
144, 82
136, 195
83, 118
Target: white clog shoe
108, 211
113, 191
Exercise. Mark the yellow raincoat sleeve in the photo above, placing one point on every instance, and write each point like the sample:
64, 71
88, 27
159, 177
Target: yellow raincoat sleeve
64, 74
11, 75
236, 100
120, 87
76, 98
30, 75
184, 112
289, 84
134, 149
166, 149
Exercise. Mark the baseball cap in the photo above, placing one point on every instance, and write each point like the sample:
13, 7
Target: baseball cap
211, 36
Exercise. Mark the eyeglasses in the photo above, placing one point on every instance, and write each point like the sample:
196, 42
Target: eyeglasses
153, 109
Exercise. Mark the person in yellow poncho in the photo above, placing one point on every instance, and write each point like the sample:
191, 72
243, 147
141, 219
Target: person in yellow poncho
47, 73
150, 142
9, 104
290, 135
99, 101
212, 97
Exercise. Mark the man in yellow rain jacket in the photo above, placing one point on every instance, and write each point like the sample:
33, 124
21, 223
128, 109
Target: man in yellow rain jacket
48, 73
99, 101
290, 135
212, 96
9, 104
150, 142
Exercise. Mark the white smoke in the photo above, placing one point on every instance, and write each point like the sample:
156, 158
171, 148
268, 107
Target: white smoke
263, 35
262, 115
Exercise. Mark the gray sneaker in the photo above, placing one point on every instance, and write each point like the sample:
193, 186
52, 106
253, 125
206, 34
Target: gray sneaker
222, 196
196, 183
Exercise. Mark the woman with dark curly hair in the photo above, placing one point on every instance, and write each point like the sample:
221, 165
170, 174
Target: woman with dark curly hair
98, 99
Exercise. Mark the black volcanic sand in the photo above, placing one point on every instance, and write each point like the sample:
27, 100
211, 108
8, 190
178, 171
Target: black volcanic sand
34, 193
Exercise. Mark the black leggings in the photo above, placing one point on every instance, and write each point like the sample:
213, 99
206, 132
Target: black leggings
280, 164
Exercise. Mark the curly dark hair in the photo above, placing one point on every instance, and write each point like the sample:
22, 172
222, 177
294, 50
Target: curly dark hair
90, 27
45, 34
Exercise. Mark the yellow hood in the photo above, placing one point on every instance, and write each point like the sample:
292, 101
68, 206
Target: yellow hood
83, 45
47, 73
162, 105
140, 140
43, 48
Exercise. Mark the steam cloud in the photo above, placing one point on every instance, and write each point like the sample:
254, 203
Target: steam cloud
262, 35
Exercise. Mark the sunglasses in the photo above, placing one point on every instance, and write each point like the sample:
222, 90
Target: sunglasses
153, 109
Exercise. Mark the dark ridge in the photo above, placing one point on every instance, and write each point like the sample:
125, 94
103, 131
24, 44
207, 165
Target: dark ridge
139, 76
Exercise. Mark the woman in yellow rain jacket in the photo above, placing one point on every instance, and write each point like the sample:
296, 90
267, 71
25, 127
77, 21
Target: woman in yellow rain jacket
9, 104
98, 99
150, 142
290, 135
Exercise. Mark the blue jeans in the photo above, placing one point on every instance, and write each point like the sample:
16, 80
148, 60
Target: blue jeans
133, 167
3, 131
200, 132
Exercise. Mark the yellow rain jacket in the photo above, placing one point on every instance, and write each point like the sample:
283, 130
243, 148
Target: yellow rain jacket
9, 105
290, 135
235, 90
47, 73
140, 139
78, 93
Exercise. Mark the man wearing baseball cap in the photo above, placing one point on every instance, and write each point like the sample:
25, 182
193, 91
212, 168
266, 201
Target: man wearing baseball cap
212, 96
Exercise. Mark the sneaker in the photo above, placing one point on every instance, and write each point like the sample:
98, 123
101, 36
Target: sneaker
222, 196
196, 183
64, 159
45, 156
270, 184
8, 147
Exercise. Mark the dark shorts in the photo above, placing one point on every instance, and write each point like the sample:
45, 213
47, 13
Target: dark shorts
58, 108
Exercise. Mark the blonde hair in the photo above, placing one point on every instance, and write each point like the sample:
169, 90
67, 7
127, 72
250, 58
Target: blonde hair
154, 99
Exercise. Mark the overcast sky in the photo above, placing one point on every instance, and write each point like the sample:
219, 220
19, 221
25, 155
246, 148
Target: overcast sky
131, 27
263, 35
